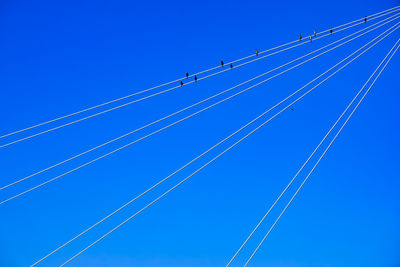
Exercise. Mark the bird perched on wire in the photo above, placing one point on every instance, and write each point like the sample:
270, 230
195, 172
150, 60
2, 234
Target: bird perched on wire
195, 78
181, 83
187, 75
231, 66
365, 19
222, 63
300, 37
256, 52
315, 32
331, 31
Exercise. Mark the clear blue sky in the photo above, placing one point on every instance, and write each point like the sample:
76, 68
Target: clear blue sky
58, 57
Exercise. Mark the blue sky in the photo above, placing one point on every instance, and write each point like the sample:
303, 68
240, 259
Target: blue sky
59, 57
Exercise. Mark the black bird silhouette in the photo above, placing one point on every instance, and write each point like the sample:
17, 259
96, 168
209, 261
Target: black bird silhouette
187, 75
300, 37
222, 63
231, 66
195, 78
365, 19
310, 38
257, 52
181, 83
331, 31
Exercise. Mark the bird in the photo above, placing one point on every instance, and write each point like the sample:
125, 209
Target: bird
181, 83
222, 63
187, 75
315, 33
195, 78
257, 52
231, 66
331, 31
310, 38
365, 19
300, 37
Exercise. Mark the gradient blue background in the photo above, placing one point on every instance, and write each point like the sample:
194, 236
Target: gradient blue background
59, 57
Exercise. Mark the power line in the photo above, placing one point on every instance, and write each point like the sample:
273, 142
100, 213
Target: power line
305, 163
195, 171
330, 144
159, 130
187, 164
375, 16
295, 176
198, 103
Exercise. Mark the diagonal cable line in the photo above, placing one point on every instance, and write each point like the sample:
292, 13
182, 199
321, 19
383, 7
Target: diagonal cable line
176, 122
161, 181
151, 203
295, 176
158, 93
191, 106
371, 17
334, 138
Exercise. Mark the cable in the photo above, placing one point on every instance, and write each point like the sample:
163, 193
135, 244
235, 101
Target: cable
334, 138
191, 174
302, 167
161, 129
164, 91
372, 17
175, 113
187, 164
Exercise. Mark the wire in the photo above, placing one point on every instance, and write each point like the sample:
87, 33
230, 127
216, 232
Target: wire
193, 172
161, 129
302, 167
193, 105
395, 9
187, 164
334, 138
372, 17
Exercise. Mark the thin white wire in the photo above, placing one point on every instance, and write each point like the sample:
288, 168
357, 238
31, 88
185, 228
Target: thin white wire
373, 16
151, 203
306, 162
191, 106
330, 144
161, 92
159, 130
193, 160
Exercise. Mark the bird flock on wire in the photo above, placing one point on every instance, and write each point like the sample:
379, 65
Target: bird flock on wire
387, 21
